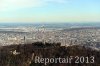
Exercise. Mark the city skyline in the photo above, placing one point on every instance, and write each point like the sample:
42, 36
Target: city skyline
43, 11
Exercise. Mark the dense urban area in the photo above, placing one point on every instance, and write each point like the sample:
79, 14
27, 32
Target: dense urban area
86, 36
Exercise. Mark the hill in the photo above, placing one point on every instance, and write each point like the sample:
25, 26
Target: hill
24, 55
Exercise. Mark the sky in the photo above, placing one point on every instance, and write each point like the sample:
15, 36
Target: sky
49, 11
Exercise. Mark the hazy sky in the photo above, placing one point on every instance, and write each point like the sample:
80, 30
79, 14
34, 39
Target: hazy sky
49, 10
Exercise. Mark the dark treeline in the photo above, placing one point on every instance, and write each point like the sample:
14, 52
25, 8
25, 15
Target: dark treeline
23, 55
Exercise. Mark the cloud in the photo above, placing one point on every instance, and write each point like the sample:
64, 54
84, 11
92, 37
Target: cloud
16, 4
6, 5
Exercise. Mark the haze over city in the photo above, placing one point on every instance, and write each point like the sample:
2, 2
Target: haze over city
65, 31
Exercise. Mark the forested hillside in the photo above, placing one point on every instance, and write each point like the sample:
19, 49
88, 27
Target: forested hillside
24, 55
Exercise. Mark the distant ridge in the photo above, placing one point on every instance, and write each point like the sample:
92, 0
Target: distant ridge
80, 28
